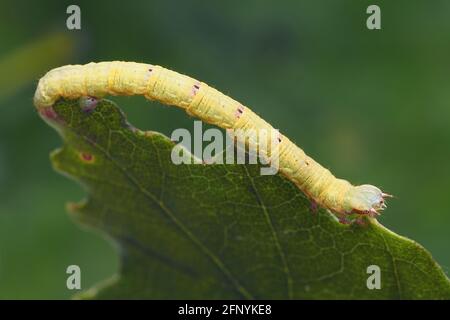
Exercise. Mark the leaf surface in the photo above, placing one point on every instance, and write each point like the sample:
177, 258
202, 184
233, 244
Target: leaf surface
221, 231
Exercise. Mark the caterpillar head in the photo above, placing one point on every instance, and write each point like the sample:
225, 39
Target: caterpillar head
366, 200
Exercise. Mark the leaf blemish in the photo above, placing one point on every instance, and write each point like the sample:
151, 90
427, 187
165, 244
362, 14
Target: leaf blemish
48, 113
87, 157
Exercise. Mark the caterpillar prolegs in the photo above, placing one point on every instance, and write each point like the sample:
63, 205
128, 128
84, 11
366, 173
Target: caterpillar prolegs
211, 106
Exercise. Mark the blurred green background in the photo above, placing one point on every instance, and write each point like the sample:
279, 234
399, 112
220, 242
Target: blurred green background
373, 106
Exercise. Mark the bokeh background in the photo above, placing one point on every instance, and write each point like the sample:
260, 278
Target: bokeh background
373, 106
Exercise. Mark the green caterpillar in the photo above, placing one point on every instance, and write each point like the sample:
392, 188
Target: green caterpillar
211, 106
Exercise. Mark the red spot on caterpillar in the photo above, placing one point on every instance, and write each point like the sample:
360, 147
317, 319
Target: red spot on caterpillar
280, 137
195, 88
239, 111
86, 157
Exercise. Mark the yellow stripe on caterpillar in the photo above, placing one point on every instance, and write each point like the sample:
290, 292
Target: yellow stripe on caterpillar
211, 106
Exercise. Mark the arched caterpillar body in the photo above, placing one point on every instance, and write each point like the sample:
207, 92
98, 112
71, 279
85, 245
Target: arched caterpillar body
211, 106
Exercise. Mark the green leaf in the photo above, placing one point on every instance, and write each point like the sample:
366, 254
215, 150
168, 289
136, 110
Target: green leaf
221, 231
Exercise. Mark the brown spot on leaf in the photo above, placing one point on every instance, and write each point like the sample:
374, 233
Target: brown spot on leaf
87, 157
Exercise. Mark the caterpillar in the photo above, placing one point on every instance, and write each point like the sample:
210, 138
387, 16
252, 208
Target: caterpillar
208, 104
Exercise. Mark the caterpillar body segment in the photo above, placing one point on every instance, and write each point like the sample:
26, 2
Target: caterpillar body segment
211, 106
